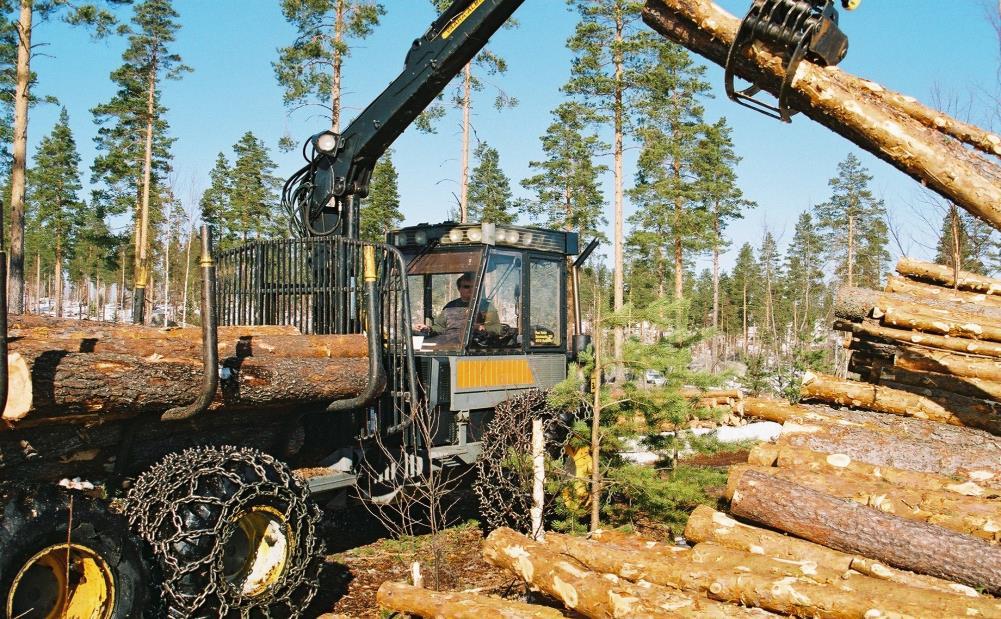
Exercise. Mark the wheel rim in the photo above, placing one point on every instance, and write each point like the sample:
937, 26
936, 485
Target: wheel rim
41, 589
255, 555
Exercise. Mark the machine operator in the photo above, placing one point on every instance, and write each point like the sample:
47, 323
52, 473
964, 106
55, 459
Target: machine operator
450, 323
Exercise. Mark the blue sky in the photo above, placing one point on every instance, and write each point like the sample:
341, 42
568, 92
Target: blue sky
925, 48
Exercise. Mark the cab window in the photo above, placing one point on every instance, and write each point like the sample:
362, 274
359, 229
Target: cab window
545, 302
497, 323
441, 285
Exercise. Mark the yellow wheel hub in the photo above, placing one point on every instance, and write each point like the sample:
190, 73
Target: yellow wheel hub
256, 553
63, 581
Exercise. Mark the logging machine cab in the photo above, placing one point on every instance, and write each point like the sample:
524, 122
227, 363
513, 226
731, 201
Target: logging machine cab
488, 316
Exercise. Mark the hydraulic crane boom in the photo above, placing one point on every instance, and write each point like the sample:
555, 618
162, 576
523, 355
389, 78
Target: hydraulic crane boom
321, 195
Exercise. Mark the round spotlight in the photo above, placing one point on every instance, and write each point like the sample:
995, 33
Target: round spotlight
421, 237
527, 238
326, 142
512, 236
455, 235
475, 235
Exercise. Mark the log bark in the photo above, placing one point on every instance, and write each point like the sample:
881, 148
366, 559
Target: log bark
929, 291
874, 397
917, 338
980, 464
936, 383
421, 602
976, 517
944, 276
767, 454
188, 345
861, 111
707, 525
801, 588
857, 304
593, 594
849, 527
955, 326
106, 385
956, 364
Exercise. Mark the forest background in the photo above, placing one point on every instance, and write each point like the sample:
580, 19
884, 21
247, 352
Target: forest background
225, 97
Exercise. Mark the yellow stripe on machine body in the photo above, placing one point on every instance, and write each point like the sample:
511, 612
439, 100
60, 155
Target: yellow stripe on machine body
493, 373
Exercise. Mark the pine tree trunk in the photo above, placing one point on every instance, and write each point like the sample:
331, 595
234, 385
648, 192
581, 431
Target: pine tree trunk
957, 251
707, 525
15, 281
716, 239
679, 259
849, 527
596, 419
336, 61
187, 274
618, 277
851, 250
745, 316
467, 103
58, 276
142, 257
38, 281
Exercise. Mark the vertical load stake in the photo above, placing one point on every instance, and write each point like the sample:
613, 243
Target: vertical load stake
210, 339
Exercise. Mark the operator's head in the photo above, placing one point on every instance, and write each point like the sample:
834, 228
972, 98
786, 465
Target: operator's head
465, 286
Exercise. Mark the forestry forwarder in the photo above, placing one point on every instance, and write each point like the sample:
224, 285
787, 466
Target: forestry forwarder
457, 317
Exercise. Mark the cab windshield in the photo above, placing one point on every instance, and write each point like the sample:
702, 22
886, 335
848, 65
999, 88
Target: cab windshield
439, 302
446, 294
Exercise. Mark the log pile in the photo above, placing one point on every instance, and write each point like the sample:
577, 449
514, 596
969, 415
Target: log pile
930, 345
79, 372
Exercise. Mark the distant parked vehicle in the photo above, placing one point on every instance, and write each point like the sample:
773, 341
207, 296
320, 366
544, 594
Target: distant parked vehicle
654, 377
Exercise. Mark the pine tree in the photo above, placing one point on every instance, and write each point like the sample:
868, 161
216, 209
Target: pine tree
253, 208
489, 188
805, 275
567, 195
380, 211
770, 268
214, 203
54, 196
486, 62
133, 133
309, 70
89, 14
743, 291
715, 165
965, 240
853, 225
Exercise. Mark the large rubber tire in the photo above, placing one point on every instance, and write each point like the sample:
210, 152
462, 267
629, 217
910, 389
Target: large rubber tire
108, 570
233, 531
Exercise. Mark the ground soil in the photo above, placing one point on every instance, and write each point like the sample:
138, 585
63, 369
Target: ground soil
361, 556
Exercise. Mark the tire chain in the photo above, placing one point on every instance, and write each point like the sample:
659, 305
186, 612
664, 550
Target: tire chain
184, 506
505, 491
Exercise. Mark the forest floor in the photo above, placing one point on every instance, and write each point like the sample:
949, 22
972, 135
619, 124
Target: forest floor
362, 555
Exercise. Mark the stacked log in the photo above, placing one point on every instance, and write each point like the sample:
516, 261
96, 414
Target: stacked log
74, 371
934, 334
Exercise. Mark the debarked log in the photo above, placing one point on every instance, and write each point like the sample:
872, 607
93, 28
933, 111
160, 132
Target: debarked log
857, 304
422, 602
708, 525
803, 588
980, 464
847, 526
230, 345
956, 364
931, 291
594, 594
980, 518
892, 335
115, 385
945, 276
785, 456
920, 142
833, 390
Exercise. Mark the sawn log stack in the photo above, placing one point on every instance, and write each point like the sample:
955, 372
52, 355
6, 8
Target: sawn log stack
77, 371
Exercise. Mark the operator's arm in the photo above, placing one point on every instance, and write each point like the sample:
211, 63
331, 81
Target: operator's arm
490, 319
